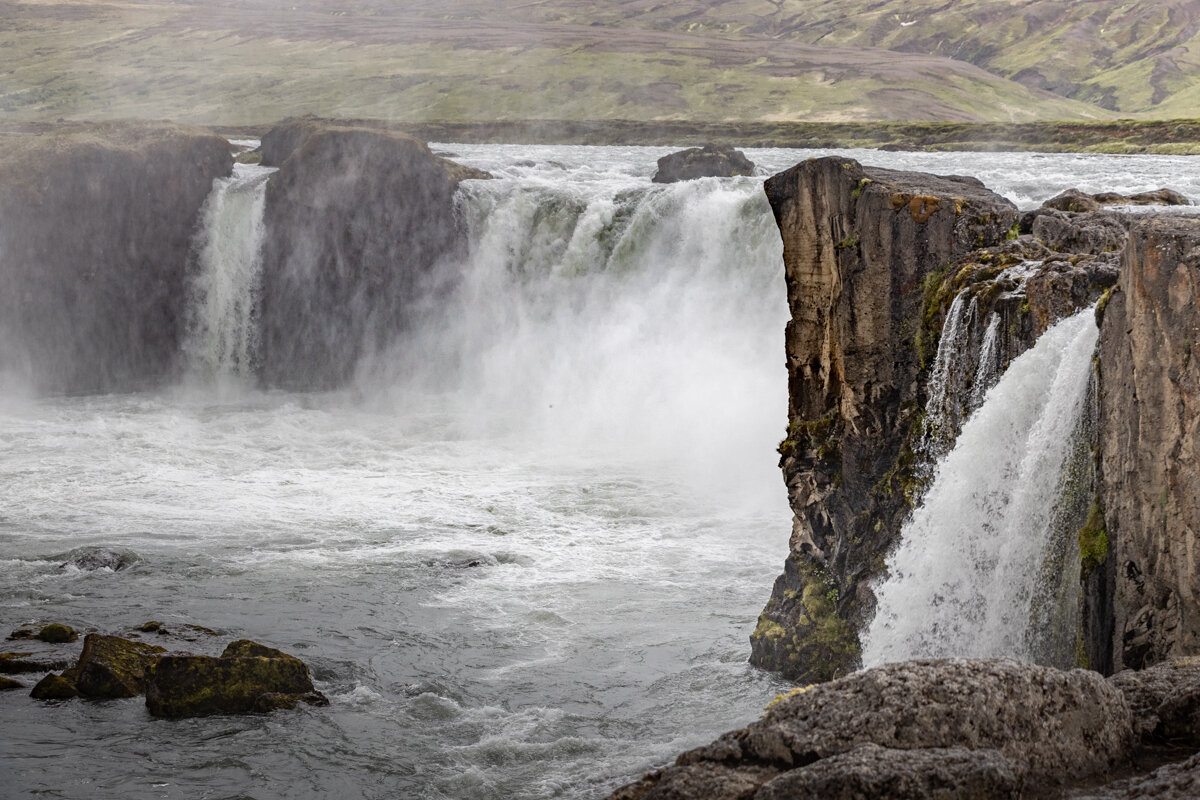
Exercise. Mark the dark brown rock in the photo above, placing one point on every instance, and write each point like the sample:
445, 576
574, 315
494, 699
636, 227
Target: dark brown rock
358, 221
1073, 200
248, 677
8, 684
920, 729
54, 687
710, 161
1076, 201
1150, 444
859, 244
97, 222
112, 667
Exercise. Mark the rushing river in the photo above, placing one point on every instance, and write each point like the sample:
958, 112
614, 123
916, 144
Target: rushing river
522, 552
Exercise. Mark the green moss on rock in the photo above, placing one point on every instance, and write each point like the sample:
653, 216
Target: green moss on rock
110, 666
1093, 541
8, 684
54, 687
56, 633
248, 677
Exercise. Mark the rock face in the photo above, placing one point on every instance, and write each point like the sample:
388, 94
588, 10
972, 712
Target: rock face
858, 247
357, 222
96, 223
1150, 443
108, 667
917, 730
247, 677
710, 161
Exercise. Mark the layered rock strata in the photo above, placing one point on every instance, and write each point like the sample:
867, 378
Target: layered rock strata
96, 224
1150, 444
358, 221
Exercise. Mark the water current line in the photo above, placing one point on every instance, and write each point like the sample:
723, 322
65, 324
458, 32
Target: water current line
221, 327
965, 575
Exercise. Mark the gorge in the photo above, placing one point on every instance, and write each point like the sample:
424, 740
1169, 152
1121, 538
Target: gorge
515, 501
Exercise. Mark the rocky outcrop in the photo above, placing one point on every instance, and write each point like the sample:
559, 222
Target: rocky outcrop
96, 224
247, 677
710, 161
860, 246
358, 220
1150, 444
916, 730
1075, 200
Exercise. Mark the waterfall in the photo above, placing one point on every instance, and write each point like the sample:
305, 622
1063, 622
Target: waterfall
613, 315
221, 331
967, 577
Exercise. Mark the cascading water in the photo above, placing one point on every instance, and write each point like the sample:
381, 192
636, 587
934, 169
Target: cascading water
967, 578
221, 327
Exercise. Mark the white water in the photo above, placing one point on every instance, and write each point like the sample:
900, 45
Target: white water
222, 330
523, 555
964, 578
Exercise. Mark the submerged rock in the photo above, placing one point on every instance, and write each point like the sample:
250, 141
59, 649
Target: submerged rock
21, 662
954, 728
247, 677
710, 161
90, 559
8, 684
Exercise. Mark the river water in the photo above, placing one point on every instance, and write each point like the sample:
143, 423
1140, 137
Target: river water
522, 551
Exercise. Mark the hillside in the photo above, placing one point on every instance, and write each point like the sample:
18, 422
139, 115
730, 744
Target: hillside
251, 62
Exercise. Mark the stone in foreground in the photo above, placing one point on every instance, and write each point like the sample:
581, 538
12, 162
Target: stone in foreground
919, 730
248, 677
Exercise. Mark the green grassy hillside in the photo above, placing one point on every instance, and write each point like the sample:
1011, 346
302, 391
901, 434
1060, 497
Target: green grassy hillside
252, 61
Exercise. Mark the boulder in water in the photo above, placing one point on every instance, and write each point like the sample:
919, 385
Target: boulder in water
1076, 201
23, 661
57, 633
8, 684
54, 687
710, 161
89, 559
110, 666
247, 677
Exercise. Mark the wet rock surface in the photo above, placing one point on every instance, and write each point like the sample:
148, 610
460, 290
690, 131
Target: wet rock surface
1077, 201
357, 221
98, 222
709, 161
1150, 443
247, 677
859, 247
954, 728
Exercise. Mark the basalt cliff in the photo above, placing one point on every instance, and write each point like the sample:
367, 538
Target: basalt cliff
97, 255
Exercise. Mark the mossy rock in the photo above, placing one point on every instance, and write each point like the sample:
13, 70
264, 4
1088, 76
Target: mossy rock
8, 684
54, 687
112, 667
57, 633
248, 677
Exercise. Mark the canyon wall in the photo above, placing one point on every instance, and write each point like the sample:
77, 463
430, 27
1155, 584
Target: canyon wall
1150, 444
96, 225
